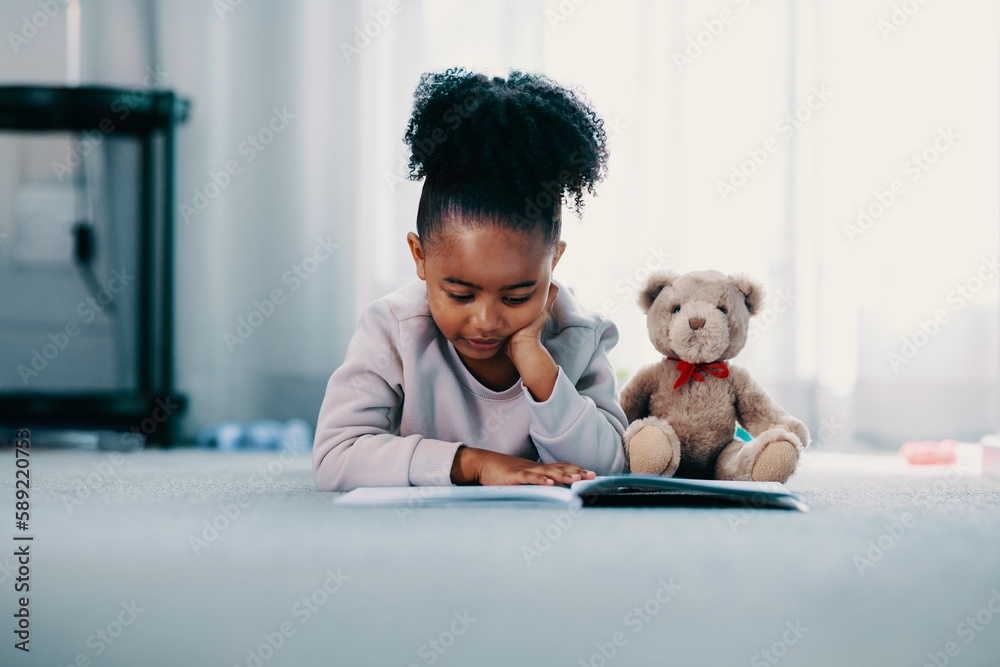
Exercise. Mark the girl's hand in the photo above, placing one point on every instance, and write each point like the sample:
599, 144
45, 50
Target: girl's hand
473, 465
530, 336
534, 364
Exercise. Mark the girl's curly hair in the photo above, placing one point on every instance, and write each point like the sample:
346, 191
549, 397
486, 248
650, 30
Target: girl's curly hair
509, 151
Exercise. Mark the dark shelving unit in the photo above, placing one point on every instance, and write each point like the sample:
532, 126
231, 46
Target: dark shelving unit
151, 119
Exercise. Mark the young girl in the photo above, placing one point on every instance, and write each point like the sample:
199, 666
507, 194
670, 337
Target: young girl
484, 370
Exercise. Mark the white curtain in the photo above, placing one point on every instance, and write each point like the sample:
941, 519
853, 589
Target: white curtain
745, 136
282, 232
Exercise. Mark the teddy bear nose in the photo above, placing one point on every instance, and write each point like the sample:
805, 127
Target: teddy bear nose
697, 322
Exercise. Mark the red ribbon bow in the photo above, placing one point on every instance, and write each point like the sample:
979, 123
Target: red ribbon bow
718, 369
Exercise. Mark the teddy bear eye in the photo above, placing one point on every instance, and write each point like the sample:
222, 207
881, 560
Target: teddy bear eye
723, 309
676, 309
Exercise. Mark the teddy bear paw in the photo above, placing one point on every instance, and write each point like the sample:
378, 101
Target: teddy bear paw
650, 451
775, 462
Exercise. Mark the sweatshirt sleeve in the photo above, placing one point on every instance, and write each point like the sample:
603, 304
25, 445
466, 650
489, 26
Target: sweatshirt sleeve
583, 423
355, 443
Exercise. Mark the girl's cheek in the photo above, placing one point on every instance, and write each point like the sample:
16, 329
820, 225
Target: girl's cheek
540, 306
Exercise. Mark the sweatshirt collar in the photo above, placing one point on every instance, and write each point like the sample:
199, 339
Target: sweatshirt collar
468, 380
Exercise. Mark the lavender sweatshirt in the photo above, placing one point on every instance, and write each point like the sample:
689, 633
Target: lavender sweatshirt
402, 403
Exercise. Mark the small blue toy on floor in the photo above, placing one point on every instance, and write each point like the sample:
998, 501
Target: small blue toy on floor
294, 435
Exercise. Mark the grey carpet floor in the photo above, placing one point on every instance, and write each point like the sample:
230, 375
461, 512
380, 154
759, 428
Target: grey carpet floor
187, 557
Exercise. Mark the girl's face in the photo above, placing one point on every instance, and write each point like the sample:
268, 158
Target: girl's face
484, 283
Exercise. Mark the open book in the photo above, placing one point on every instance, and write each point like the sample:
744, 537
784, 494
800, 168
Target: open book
626, 490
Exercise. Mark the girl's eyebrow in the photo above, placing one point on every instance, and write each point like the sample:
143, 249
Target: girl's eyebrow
456, 281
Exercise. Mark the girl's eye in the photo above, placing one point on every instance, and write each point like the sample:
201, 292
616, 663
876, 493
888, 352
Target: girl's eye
723, 309
461, 298
516, 300
676, 309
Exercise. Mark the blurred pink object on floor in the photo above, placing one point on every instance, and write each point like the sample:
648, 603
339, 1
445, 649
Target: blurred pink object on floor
929, 452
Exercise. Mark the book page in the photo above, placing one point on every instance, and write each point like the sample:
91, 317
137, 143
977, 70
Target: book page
439, 495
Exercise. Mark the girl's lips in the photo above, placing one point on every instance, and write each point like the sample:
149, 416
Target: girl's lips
484, 345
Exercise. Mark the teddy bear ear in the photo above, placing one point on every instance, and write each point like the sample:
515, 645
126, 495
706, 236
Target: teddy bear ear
654, 285
753, 291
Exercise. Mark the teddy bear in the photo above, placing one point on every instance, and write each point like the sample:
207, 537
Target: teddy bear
682, 411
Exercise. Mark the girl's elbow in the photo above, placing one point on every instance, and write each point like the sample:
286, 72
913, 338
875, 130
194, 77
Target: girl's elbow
615, 462
331, 480
327, 479
618, 464
329, 473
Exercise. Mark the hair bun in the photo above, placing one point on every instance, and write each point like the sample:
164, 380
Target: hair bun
518, 133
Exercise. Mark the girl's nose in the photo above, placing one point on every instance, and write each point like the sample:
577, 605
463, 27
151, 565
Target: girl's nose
486, 317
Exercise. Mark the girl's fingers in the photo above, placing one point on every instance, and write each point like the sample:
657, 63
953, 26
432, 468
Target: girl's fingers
538, 478
560, 476
566, 473
576, 472
555, 473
